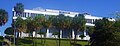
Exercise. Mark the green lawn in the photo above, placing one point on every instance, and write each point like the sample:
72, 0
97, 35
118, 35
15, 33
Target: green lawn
48, 42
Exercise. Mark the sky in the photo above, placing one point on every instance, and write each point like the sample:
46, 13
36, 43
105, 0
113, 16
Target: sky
101, 8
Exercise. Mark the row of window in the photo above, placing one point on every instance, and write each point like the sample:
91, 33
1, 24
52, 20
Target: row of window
33, 15
90, 21
26, 14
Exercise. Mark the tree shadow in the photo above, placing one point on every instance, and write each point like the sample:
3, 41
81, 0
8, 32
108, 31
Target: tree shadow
25, 41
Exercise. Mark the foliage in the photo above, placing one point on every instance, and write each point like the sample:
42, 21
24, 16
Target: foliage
41, 33
90, 30
82, 36
104, 34
48, 22
55, 33
3, 17
38, 22
30, 25
19, 8
58, 21
1, 38
20, 25
78, 22
9, 31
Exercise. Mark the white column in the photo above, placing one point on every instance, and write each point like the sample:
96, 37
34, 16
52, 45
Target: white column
84, 33
92, 20
47, 34
73, 35
19, 34
33, 33
60, 33
14, 13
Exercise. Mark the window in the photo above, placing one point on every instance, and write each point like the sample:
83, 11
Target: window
89, 20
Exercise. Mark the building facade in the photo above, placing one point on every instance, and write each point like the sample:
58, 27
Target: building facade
47, 12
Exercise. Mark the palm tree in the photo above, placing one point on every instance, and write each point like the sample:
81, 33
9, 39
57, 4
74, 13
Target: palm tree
39, 21
3, 17
78, 24
35, 24
31, 27
67, 25
47, 24
19, 9
20, 25
58, 23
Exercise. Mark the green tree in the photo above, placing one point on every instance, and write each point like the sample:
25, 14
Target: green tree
78, 24
61, 22
19, 9
58, 24
67, 25
39, 21
20, 26
30, 26
9, 31
104, 33
90, 30
3, 17
47, 24
116, 26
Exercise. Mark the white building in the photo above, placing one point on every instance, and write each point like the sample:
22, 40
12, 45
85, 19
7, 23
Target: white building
46, 12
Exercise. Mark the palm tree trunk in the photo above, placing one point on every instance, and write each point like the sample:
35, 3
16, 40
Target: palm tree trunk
29, 35
17, 39
59, 37
44, 39
14, 36
56, 40
35, 38
70, 38
75, 37
32, 39
41, 40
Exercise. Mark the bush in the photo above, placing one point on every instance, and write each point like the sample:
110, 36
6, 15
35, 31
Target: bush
82, 36
1, 38
55, 33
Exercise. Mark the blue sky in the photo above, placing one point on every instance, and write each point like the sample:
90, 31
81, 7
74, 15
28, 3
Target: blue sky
102, 8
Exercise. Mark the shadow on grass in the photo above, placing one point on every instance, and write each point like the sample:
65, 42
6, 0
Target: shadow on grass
25, 41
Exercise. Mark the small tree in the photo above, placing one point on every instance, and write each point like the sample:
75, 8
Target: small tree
9, 31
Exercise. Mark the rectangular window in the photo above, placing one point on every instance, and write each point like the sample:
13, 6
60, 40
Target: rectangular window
89, 20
